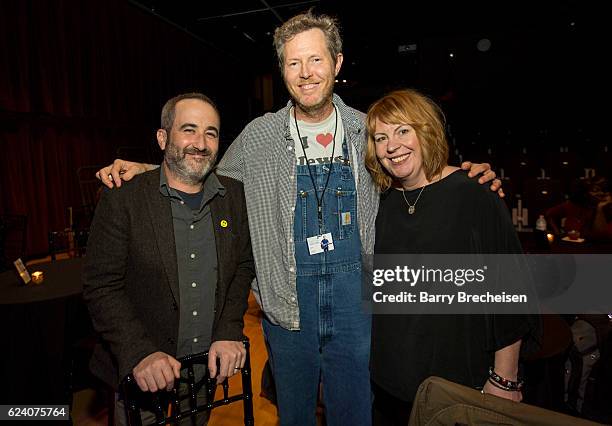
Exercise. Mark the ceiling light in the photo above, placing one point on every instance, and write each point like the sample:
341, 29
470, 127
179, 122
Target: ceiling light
484, 44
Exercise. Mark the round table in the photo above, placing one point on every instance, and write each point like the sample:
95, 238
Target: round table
38, 323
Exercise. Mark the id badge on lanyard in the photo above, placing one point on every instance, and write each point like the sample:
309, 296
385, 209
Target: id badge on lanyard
322, 242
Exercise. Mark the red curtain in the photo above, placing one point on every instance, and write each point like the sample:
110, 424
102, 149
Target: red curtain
78, 79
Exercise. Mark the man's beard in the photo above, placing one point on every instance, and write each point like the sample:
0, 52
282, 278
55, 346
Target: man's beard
312, 110
189, 172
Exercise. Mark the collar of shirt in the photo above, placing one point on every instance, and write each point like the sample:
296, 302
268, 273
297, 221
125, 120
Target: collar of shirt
353, 123
212, 186
271, 193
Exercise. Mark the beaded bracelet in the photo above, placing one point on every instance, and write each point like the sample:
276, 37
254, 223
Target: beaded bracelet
500, 386
503, 383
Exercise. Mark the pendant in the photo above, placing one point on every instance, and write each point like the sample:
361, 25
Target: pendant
411, 209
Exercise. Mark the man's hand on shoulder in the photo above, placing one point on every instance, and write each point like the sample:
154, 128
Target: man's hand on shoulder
231, 355
157, 371
488, 175
121, 170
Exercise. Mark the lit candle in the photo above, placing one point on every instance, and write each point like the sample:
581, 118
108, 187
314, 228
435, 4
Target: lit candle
37, 277
550, 237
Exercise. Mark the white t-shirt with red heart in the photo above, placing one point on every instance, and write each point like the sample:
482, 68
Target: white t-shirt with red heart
317, 140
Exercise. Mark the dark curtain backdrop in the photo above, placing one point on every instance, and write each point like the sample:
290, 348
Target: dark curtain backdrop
78, 79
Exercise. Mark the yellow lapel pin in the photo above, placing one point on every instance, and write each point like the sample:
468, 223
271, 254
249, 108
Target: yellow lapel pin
224, 223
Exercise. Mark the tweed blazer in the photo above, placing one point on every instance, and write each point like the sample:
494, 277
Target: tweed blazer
130, 278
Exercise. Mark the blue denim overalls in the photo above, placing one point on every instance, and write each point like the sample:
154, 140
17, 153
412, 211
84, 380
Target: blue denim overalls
334, 338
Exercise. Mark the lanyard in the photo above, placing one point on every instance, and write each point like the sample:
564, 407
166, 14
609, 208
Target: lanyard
331, 158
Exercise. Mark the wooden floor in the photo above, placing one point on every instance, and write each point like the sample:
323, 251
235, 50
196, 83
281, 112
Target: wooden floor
264, 410
90, 411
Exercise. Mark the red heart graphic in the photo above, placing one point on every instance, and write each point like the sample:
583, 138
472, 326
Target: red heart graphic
325, 139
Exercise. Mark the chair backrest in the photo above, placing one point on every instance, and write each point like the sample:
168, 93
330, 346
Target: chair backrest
71, 242
440, 402
13, 229
89, 184
541, 194
81, 217
134, 398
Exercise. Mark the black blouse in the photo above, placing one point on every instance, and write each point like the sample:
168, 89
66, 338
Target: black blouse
453, 215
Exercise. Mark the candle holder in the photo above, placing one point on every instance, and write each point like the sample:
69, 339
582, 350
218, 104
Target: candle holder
37, 277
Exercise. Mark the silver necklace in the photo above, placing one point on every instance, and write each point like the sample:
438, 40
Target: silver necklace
412, 207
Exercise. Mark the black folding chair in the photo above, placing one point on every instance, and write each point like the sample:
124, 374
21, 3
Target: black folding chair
134, 399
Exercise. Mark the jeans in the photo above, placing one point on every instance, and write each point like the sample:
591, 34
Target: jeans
333, 345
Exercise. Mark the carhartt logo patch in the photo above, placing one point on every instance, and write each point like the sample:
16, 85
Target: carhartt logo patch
346, 218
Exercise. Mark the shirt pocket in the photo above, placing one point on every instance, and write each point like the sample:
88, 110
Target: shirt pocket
305, 219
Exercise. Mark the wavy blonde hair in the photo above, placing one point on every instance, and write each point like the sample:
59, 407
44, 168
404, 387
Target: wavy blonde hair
304, 22
408, 106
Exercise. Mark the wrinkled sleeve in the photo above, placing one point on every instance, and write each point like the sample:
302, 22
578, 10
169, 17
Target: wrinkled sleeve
111, 310
498, 236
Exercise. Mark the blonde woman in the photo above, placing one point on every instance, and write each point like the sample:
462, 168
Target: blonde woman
428, 206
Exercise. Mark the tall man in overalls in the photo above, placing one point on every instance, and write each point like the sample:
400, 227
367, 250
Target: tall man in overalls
312, 208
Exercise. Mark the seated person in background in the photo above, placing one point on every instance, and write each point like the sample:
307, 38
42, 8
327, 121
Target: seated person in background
600, 228
428, 206
587, 211
574, 213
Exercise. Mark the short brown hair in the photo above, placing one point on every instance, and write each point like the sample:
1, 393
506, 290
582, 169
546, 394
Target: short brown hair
408, 106
304, 22
169, 110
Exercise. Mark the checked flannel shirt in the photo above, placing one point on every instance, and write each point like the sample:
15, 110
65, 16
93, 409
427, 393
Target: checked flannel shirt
262, 158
